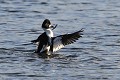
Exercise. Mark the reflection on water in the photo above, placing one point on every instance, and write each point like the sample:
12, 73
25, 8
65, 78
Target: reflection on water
93, 57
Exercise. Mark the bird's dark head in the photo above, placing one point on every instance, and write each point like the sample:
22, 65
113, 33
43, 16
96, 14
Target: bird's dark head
46, 24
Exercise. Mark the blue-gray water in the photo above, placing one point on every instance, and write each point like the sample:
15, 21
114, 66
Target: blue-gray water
96, 56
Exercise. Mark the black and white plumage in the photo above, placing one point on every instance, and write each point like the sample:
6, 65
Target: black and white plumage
47, 43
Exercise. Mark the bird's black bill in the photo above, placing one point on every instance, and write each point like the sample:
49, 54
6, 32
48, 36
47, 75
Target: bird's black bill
53, 27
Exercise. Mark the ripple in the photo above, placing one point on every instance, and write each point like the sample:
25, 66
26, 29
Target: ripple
13, 11
112, 45
113, 24
44, 3
10, 74
36, 11
108, 67
3, 23
25, 75
92, 59
95, 57
86, 3
51, 13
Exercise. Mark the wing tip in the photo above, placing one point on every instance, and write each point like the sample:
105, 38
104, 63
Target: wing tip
80, 32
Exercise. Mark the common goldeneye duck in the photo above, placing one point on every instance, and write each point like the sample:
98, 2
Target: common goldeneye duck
47, 43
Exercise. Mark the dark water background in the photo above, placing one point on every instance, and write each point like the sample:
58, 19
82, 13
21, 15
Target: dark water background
96, 56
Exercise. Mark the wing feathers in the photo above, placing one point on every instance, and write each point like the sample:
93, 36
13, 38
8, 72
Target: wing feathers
62, 40
71, 38
57, 43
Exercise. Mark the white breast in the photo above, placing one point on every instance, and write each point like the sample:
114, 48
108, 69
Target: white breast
49, 32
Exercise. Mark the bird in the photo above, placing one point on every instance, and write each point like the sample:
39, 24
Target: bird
47, 44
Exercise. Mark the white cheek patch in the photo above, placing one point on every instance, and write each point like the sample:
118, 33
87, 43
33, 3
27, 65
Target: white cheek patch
49, 26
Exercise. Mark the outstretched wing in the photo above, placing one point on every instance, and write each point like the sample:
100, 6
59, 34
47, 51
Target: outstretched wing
62, 40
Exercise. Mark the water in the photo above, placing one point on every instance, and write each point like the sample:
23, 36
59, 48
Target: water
96, 56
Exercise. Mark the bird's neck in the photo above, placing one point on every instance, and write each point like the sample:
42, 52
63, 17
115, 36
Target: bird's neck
49, 32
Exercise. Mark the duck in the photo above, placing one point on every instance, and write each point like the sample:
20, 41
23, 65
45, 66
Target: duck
47, 43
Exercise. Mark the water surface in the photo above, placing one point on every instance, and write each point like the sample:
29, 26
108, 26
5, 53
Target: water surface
96, 56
